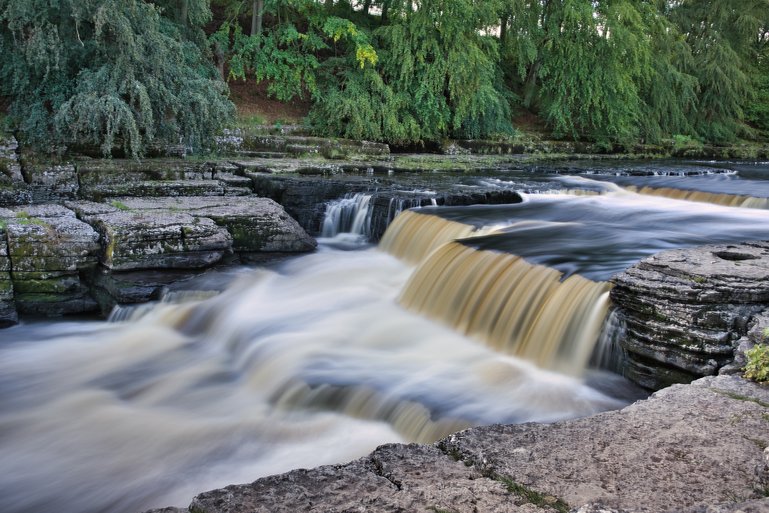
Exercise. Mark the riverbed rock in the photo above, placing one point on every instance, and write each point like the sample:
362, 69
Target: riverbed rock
240, 142
689, 448
49, 248
101, 179
685, 309
255, 224
153, 239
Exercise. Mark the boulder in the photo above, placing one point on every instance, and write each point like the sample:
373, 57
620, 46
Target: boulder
690, 448
146, 239
256, 224
685, 309
48, 248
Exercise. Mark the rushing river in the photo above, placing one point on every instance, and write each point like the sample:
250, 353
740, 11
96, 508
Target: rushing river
322, 358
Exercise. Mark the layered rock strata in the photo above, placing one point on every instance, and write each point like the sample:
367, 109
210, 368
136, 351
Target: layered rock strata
48, 249
256, 224
688, 449
686, 309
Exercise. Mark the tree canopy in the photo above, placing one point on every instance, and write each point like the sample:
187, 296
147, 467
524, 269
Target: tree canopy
110, 73
132, 73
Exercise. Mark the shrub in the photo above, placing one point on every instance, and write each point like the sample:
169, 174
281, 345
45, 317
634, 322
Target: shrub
757, 368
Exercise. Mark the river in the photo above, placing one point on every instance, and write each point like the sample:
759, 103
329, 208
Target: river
321, 358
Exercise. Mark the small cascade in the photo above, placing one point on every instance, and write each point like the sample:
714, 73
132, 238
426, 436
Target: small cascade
410, 419
350, 214
412, 236
515, 307
608, 354
727, 200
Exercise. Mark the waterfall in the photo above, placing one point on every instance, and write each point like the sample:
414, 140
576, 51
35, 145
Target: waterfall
412, 236
350, 214
513, 306
727, 200
608, 354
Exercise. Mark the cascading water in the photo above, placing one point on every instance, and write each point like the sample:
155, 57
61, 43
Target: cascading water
323, 357
350, 215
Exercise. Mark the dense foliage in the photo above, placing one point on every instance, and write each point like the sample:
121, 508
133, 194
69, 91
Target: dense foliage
131, 72
757, 366
110, 73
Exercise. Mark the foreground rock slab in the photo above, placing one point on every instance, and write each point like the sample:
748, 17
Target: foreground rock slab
690, 448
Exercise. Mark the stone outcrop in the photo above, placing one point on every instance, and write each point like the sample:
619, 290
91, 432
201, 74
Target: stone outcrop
686, 309
100, 179
690, 448
48, 249
134, 239
245, 143
256, 224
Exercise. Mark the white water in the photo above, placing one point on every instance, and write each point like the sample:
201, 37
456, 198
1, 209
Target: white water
313, 364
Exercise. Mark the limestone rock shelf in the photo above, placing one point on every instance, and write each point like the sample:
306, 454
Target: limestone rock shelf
84, 256
687, 309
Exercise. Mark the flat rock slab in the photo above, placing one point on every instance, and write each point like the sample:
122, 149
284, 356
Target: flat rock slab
690, 448
686, 308
256, 224
153, 239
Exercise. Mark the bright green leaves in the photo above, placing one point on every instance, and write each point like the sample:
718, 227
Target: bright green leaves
340, 28
109, 74
283, 56
435, 76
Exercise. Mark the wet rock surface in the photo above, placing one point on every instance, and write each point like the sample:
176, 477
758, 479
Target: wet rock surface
689, 448
686, 309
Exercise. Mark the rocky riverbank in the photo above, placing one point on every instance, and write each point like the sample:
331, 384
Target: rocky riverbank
690, 312
689, 448
82, 235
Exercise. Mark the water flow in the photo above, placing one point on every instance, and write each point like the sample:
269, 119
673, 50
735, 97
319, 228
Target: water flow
310, 364
515, 307
412, 236
350, 214
728, 200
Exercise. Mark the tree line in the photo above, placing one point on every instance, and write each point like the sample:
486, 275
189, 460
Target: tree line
132, 73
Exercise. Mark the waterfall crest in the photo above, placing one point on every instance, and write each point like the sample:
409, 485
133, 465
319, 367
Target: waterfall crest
517, 308
412, 236
727, 200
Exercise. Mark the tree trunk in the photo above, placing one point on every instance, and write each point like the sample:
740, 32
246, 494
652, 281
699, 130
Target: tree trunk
530, 86
219, 60
366, 6
184, 11
329, 4
257, 15
503, 28
385, 8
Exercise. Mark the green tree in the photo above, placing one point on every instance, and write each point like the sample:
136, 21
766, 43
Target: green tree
436, 75
580, 63
668, 92
722, 35
110, 73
